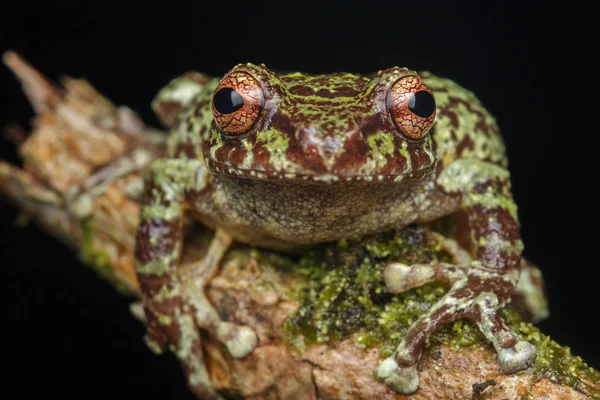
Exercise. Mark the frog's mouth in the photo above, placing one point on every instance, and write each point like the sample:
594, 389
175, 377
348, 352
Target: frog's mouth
219, 168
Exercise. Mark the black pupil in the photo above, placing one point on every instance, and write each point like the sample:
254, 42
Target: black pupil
422, 104
228, 100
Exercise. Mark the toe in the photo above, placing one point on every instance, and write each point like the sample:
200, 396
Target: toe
394, 276
239, 340
518, 358
403, 380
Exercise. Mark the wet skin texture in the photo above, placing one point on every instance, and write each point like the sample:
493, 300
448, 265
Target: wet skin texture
284, 161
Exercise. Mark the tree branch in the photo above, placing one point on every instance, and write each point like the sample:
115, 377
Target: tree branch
66, 186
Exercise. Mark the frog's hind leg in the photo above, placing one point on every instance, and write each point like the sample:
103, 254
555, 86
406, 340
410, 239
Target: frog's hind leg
480, 194
175, 306
472, 295
529, 297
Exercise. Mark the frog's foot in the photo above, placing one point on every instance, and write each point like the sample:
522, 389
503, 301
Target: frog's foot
180, 334
180, 309
475, 294
239, 340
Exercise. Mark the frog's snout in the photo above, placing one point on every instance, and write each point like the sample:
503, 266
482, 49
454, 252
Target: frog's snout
320, 150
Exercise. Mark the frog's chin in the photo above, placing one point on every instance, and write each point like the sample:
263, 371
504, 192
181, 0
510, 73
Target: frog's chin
220, 169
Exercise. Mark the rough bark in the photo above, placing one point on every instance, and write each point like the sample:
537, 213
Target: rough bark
76, 132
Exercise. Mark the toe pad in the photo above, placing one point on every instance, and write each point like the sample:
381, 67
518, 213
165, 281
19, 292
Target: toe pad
403, 380
239, 340
518, 358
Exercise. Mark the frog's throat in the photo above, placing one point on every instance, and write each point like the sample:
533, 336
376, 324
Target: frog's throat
222, 169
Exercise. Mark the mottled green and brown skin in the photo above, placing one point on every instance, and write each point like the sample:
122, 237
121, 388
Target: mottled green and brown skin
317, 158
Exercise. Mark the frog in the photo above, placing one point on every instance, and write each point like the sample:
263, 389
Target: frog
288, 160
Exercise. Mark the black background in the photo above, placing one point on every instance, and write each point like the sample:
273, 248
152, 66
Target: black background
65, 332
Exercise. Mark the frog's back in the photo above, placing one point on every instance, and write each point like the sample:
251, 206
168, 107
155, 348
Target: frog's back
463, 127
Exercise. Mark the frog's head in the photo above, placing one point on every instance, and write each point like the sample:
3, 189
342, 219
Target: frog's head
328, 128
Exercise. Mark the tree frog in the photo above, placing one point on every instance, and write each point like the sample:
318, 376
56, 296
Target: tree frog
289, 160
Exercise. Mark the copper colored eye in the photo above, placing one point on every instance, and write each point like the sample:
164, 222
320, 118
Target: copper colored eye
412, 106
237, 103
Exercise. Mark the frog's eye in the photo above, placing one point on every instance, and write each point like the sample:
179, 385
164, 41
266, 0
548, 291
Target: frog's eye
237, 103
412, 106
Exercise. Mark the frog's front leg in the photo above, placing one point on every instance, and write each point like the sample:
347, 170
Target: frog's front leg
174, 300
479, 289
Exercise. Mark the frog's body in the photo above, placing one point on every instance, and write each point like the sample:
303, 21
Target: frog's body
323, 168
286, 161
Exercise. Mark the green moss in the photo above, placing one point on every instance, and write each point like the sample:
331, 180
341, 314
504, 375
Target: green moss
99, 261
344, 294
555, 362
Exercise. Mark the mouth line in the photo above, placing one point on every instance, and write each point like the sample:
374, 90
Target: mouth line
228, 170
